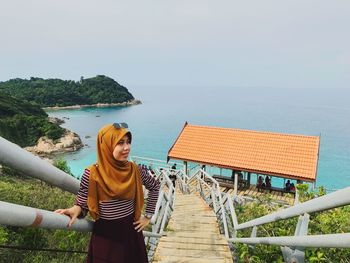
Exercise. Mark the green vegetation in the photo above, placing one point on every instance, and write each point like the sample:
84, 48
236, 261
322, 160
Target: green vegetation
30, 192
24, 123
57, 92
328, 222
62, 165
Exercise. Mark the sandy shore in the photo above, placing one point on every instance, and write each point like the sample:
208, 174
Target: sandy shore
127, 103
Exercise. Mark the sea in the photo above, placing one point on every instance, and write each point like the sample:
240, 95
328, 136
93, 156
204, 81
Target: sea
156, 123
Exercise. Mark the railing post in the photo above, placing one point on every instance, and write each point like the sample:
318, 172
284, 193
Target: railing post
253, 235
297, 254
254, 231
296, 197
213, 197
236, 186
233, 215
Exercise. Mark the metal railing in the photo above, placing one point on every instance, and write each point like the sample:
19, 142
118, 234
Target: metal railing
223, 205
164, 209
180, 177
19, 159
292, 246
155, 163
209, 190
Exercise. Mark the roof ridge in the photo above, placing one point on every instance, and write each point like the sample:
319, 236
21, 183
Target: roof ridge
254, 131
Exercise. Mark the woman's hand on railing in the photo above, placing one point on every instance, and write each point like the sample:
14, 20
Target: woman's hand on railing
73, 212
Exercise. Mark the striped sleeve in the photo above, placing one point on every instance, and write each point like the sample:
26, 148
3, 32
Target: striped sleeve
81, 198
152, 185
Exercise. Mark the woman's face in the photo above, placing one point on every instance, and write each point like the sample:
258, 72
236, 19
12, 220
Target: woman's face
122, 150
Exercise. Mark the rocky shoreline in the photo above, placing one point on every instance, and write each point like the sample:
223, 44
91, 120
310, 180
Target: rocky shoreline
127, 103
46, 147
70, 142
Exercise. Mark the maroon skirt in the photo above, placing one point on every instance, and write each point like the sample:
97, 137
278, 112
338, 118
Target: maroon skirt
116, 241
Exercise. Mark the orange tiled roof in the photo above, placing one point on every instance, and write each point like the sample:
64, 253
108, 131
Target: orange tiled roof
284, 155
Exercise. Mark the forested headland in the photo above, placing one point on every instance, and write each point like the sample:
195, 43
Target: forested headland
62, 93
24, 123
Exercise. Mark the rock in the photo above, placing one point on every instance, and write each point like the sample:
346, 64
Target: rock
55, 120
135, 102
70, 142
87, 136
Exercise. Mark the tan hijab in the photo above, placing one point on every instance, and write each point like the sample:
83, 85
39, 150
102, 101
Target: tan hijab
112, 179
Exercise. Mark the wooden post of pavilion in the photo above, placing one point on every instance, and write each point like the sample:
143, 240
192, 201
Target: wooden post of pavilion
185, 167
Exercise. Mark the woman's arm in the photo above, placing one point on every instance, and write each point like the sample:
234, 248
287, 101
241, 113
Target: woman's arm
152, 185
82, 196
80, 208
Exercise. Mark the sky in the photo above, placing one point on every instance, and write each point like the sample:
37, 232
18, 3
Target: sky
188, 43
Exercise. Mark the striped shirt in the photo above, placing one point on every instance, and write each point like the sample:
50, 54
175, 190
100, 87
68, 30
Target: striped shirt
117, 208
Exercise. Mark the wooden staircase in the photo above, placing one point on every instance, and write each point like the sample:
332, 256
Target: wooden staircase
192, 234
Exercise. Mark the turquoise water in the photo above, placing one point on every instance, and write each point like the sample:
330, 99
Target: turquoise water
156, 123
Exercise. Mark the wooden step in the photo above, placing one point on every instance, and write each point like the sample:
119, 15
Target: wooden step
192, 234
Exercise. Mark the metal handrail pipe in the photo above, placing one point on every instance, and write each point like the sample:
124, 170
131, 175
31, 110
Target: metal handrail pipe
159, 201
224, 221
185, 176
329, 201
233, 212
151, 234
165, 163
164, 219
17, 158
167, 180
316, 241
24, 216
210, 178
214, 200
147, 159
203, 182
193, 175
223, 213
169, 196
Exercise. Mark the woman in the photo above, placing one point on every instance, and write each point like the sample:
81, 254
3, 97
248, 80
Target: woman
111, 191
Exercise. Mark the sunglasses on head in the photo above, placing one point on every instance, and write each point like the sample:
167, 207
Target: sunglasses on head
119, 125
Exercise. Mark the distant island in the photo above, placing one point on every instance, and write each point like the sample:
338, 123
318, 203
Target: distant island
24, 122
96, 91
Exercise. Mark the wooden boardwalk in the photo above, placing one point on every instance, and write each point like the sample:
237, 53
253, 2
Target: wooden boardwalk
192, 234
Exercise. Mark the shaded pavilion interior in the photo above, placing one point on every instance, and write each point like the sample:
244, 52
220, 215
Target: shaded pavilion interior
247, 152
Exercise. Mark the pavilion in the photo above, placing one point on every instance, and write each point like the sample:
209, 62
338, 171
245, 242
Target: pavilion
288, 156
